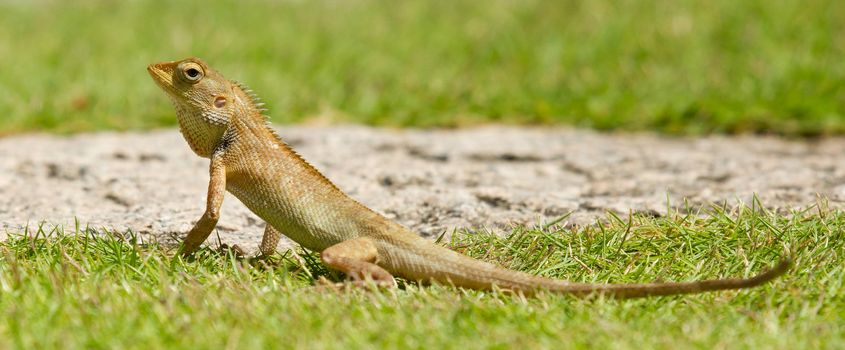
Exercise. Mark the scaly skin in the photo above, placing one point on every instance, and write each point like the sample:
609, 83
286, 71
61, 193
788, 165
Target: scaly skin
223, 121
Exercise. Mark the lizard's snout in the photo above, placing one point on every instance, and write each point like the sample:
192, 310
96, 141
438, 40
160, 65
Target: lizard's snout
151, 70
157, 68
162, 73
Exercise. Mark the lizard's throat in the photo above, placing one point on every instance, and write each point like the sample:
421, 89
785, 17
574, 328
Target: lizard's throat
201, 135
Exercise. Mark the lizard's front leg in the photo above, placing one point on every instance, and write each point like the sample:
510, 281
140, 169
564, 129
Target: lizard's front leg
216, 190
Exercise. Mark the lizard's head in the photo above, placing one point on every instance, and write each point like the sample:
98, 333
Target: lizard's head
205, 101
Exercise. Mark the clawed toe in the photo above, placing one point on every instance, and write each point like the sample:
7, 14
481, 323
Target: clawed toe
235, 250
323, 284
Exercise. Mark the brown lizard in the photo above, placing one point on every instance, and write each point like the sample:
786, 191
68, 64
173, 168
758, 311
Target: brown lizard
222, 120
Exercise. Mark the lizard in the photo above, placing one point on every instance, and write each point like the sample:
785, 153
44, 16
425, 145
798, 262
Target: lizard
224, 121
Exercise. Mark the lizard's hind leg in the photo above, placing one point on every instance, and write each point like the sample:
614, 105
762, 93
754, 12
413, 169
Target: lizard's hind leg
265, 250
269, 241
357, 259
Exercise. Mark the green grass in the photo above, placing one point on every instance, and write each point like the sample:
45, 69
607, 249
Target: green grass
684, 67
113, 291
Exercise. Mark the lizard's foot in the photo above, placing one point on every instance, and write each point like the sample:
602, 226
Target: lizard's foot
235, 250
323, 284
188, 248
357, 259
263, 256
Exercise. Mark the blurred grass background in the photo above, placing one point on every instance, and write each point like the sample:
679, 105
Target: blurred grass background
680, 67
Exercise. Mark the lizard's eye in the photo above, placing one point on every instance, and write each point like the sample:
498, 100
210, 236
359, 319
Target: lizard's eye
192, 72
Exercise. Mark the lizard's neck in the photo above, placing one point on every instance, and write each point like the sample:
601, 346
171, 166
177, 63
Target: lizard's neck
202, 132
204, 128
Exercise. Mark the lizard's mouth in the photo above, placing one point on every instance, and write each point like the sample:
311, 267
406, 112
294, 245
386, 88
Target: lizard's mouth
162, 74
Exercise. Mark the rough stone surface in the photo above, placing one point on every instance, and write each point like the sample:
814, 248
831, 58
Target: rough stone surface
487, 177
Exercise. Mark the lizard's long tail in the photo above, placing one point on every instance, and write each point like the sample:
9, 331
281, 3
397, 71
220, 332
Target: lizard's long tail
449, 267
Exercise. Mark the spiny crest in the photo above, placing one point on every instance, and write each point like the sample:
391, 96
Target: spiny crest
258, 105
256, 102
253, 98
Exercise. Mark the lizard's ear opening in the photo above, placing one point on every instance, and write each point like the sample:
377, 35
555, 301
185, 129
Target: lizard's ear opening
220, 102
